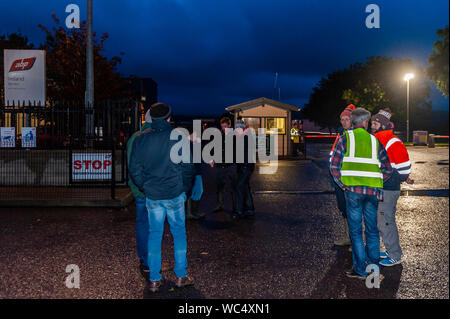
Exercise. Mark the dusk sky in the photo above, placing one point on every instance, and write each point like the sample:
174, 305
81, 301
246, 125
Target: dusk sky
209, 54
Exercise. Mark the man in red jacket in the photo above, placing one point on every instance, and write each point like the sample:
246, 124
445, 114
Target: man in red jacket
382, 128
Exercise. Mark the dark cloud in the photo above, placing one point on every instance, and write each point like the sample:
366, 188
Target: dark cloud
206, 55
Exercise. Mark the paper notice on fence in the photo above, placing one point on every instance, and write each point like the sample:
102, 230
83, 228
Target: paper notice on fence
91, 166
8, 137
28, 137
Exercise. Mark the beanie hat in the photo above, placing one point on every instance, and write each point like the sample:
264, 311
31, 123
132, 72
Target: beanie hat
383, 117
148, 118
160, 111
348, 111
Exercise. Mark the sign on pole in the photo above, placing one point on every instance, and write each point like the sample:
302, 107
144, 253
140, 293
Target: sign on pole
24, 75
8, 137
28, 137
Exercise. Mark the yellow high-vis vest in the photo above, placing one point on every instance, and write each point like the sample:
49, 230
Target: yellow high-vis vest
361, 164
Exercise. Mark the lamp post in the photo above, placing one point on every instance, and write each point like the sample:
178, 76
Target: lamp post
408, 76
89, 95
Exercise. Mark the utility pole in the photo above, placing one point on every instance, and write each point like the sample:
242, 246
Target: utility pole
275, 86
407, 77
407, 111
89, 94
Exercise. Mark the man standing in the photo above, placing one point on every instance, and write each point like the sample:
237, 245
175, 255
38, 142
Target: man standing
226, 172
346, 122
193, 186
153, 171
359, 165
245, 164
295, 138
141, 210
382, 127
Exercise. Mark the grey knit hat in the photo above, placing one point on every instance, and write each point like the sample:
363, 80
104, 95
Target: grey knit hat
160, 111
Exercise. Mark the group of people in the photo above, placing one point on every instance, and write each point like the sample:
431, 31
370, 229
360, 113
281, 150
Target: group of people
235, 174
164, 188
367, 171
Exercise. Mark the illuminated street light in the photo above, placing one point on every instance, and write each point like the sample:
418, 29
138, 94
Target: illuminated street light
408, 76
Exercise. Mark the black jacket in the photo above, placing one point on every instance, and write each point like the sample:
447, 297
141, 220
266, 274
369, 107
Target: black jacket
151, 168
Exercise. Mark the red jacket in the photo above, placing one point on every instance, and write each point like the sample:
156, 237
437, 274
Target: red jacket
398, 156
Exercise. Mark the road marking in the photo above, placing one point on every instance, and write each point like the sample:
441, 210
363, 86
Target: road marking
412, 192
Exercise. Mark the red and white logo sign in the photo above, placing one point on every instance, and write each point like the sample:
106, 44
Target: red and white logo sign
24, 76
91, 166
22, 64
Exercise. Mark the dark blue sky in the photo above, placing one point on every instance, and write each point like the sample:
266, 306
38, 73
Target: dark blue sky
209, 54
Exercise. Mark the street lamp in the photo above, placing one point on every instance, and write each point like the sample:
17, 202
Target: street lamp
89, 97
408, 76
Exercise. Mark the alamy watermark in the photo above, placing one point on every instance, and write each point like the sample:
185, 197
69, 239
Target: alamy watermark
241, 146
373, 279
73, 19
373, 19
73, 279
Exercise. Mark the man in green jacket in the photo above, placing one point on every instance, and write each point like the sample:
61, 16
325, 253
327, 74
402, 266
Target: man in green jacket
141, 209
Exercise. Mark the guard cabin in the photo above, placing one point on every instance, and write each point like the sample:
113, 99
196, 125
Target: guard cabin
272, 115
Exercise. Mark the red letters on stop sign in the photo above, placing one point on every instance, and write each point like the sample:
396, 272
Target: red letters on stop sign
91, 166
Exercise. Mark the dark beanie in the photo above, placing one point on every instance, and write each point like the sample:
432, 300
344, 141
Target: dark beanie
160, 111
383, 117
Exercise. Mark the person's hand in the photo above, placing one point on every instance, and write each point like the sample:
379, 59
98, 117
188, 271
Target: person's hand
197, 189
211, 163
409, 181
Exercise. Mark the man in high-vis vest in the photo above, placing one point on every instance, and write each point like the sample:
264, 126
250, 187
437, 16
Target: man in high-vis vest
382, 128
295, 138
360, 165
346, 122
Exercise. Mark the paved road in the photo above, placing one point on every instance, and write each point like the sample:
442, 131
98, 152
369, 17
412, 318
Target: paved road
286, 251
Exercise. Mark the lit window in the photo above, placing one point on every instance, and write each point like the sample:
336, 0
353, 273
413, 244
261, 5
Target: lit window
253, 122
276, 125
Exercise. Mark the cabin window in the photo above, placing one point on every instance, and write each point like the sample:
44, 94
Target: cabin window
276, 125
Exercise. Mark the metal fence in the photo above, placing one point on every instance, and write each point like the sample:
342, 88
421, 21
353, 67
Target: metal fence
64, 157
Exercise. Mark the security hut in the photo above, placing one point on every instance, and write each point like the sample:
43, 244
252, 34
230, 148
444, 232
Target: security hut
272, 115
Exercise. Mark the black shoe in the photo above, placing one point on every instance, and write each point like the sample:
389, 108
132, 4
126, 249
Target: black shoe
154, 286
218, 208
353, 274
237, 215
192, 216
249, 213
145, 271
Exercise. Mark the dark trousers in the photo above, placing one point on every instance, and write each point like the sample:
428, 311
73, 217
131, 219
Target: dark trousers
340, 198
244, 199
226, 176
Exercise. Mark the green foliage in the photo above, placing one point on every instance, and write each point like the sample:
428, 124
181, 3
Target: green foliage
66, 65
438, 71
378, 83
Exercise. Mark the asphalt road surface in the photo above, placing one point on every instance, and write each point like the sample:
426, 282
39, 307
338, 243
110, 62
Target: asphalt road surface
285, 251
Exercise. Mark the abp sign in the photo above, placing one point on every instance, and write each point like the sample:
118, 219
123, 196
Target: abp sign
24, 76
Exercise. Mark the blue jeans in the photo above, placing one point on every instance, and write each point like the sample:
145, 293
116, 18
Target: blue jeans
359, 205
141, 230
157, 212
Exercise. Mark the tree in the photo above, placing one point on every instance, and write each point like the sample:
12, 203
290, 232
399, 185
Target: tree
377, 83
438, 71
12, 41
66, 65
